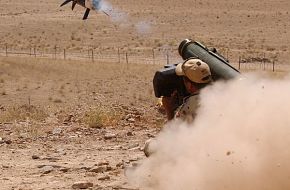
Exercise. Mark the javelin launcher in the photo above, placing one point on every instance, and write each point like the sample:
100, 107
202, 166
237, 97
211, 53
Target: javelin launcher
165, 81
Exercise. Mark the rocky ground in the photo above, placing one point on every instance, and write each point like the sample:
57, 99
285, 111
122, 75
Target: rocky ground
75, 133
70, 157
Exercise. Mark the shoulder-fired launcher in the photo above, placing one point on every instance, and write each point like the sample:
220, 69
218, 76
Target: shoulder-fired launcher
219, 66
165, 81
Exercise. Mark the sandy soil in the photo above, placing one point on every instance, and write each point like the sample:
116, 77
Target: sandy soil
64, 122
67, 121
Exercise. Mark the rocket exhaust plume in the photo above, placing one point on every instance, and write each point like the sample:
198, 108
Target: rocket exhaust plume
99, 6
239, 141
142, 27
88, 4
105, 7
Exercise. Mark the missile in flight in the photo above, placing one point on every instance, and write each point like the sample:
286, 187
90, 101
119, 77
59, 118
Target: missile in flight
88, 4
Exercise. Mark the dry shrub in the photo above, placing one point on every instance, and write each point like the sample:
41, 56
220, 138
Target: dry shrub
22, 113
29, 129
101, 117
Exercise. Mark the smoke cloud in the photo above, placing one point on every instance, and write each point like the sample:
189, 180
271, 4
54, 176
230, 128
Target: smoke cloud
142, 27
239, 141
98, 4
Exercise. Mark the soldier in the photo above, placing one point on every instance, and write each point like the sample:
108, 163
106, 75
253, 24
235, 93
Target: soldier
196, 75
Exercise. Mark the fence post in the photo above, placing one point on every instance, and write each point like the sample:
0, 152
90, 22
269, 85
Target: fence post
264, 61
55, 52
34, 51
273, 66
167, 58
6, 50
127, 60
89, 53
153, 56
239, 62
30, 52
64, 54
93, 55
119, 58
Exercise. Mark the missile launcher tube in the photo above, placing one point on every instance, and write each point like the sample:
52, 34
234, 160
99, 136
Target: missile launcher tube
220, 68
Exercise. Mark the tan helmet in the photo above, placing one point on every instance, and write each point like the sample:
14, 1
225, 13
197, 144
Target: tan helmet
195, 70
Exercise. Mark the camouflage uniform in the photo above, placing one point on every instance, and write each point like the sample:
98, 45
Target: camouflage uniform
187, 111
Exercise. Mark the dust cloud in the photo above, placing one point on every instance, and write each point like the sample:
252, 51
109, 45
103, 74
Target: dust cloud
239, 141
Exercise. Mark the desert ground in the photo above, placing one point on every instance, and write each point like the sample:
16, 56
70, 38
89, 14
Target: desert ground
69, 121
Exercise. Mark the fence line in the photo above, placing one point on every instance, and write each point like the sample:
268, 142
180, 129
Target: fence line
153, 56
146, 56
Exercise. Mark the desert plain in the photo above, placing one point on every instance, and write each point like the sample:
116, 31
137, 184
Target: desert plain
64, 121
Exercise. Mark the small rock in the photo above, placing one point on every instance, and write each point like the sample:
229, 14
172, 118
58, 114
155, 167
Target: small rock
129, 116
135, 164
82, 185
40, 166
102, 163
52, 159
129, 133
5, 167
64, 170
132, 146
229, 153
118, 147
57, 131
120, 165
60, 151
99, 169
150, 147
109, 168
133, 159
106, 177
109, 136
131, 120
150, 135
68, 119
47, 169
85, 168
8, 141
35, 157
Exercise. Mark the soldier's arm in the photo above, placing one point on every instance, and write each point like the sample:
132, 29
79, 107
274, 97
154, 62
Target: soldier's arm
170, 104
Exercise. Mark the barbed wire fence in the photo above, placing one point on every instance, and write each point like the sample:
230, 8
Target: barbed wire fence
146, 56
161, 56
252, 61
